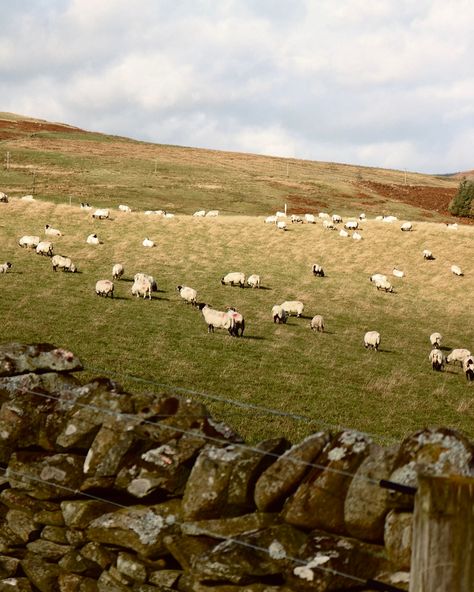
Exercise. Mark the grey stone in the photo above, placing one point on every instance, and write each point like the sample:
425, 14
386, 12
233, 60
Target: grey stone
42, 575
79, 513
398, 538
19, 358
131, 567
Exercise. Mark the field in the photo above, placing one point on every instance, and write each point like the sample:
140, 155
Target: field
327, 378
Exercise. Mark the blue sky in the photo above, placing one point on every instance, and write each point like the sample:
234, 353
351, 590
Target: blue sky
371, 82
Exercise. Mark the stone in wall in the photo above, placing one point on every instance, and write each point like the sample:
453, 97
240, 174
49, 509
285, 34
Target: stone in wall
20, 358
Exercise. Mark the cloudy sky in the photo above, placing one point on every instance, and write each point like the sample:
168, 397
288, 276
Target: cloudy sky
372, 82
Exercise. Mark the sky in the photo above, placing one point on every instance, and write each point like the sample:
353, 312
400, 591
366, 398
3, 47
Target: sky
386, 83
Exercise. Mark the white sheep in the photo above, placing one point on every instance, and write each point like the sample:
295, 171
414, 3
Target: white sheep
148, 242
27, 198
64, 263
468, 367
199, 214
328, 225
117, 271
104, 288
253, 281
150, 278
428, 255
310, 219
4, 267
45, 248
239, 322
235, 277
217, 319
343, 233
356, 236
336, 218
317, 323
281, 225
295, 307
406, 227
142, 287
101, 214
351, 225
456, 270
324, 215
85, 206
378, 277
271, 220
457, 355
123, 208
317, 270
398, 272
3, 197
384, 285
435, 340
362, 216
93, 239
389, 219
296, 219
212, 213
187, 294
168, 215
453, 226
437, 359
29, 241
50, 231
279, 315
280, 214
372, 340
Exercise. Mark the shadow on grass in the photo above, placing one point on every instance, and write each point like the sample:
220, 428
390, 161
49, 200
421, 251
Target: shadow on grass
254, 337
263, 288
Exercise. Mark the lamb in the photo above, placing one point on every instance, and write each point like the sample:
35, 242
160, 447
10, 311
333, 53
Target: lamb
64, 263
279, 314
253, 281
398, 272
437, 359
239, 322
457, 355
104, 288
45, 248
199, 214
296, 219
126, 209
101, 214
384, 285
3, 197
212, 213
343, 233
453, 226
217, 319
310, 219
148, 243
271, 220
317, 270
406, 227
293, 307
168, 215
281, 225
317, 323
117, 271
372, 340
85, 206
50, 231
389, 219
280, 215
356, 236
324, 215
29, 242
142, 286
154, 285
435, 340
93, 239
328, 225
187, 294
456, 270
468, 367
336, 218
428, 255
351, 225
362, 216
4, 267
235, 277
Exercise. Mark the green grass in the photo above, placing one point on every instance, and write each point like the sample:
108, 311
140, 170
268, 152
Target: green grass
328, 377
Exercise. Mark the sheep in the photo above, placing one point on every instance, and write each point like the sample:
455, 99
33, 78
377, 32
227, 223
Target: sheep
356, 236
45, 248
150, 278
104, 288
117, 271
217, 319
29, 241
4, 267
168, 215
453, 226
93, 239
328, 225
362, 216
85, 206
468, 367
428, 255
212, 213
280, 214
378, 277
279, 315
239, 322
199, 214
293, 307
253, 281
324, 215
281, 225
406, 227
336, 218
101, 214
271, 220
437, 359
435, 340
235, 277
343, 233
389, 219
126, 209
64, 263
148, 242
384, 285
398, 272
351, 225
317, 323
50, 231
372, 340
142, 286
27, 198
187, 294
456, 270
317, 270
3, 197
296, 219
310, 219
457, 355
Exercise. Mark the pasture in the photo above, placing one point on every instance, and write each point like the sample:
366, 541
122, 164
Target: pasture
327, 377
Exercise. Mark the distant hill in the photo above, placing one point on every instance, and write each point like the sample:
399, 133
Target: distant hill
62, 163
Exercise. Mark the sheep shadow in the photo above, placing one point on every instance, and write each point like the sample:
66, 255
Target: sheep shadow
254, 337
264, 288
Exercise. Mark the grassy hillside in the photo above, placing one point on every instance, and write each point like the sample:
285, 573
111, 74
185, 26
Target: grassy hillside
329, 377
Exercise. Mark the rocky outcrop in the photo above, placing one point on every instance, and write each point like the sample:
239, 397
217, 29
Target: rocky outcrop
106, 491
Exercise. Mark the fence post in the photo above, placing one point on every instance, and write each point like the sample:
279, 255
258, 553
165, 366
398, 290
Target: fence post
442, 557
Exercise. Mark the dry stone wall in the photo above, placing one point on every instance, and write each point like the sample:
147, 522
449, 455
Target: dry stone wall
104, 490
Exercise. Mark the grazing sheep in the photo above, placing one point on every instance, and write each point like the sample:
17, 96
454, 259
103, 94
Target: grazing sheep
45, 248
29, 242
324, 215
428, 255
398, 272
296, 219
101, 214
235, 277
372, 340
328, 225
453, 226
217, 319
212, 213
117, 271
93, 239
4, 267
389, 219
362, 216
343, 233
317, 323
279, 314
168, 215
3, 197
468, 367
27, 198
336, 218
271, 220
435, 340
406, 227
295, 307
150, 278
384, 285
351, 225
50, 231
148, 243
456, 270
85, 206
457, 355
310, 219
317, 270
280, 215
356, 236
142, 287
199, 214
281, 225
253, 281
123, 208
64, 263
239, 322
437, 359
187, 294
104, 288
378, 277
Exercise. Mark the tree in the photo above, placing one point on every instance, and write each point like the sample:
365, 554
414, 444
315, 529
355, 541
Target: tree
462, 202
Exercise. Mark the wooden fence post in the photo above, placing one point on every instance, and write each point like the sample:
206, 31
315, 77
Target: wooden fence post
442, 557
